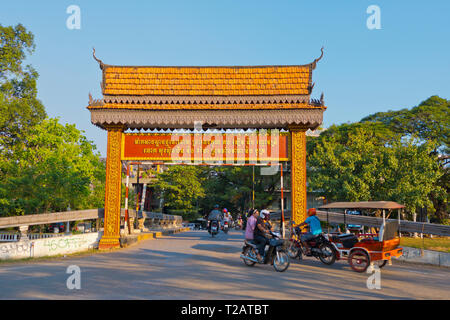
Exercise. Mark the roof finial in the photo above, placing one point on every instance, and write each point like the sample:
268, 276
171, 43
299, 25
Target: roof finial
100, 62
317, 60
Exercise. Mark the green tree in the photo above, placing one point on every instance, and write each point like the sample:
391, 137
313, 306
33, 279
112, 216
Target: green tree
19, 107
429, 121
44, 166
56, 169
231, 188
366, 163
180, 186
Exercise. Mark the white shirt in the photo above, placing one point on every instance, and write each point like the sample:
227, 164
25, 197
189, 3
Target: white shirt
227, 217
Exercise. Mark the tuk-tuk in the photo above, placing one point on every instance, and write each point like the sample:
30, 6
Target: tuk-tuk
363, 249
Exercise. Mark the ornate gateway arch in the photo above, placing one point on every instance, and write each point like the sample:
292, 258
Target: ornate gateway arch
253, 97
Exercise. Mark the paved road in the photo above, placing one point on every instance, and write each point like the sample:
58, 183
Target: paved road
192, 265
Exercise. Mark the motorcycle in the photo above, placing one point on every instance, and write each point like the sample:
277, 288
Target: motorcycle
225, 227
320, 248
275, 254
214, 228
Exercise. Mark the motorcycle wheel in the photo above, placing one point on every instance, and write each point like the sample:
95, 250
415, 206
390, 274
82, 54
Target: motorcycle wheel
292, 250
358, 260
281, 261
250, 252
328, 255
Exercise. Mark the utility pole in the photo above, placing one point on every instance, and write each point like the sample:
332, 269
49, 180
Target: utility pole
253, 188
137, 193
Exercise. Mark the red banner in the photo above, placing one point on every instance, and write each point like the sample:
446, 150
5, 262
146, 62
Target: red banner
206, 147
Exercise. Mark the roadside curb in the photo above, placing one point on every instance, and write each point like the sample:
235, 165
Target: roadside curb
135, 238
429, 257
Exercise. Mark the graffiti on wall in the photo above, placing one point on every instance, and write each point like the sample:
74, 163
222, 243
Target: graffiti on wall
18, 248
65, 243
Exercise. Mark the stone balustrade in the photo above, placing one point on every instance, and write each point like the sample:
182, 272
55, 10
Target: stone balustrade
146, 220
154, 220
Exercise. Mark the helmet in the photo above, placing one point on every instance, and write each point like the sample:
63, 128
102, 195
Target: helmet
216, 206
265, 214
311, 211
225, 210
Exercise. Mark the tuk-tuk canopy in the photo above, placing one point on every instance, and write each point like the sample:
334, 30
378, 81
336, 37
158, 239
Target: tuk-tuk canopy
386, 205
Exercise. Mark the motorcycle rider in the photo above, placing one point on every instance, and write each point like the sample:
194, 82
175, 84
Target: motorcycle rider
266, 214
314, 228
216, 215
226, 217
259, 236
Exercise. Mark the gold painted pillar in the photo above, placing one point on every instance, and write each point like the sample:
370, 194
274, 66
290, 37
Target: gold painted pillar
111, 234
298, 173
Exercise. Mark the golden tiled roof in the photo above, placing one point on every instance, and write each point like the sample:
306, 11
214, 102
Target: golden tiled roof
207, 81
259, 106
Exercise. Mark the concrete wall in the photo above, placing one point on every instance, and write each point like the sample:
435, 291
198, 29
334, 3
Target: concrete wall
429, 257
49, 246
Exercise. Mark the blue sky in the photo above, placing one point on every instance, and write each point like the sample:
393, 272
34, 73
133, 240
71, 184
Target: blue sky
362, 72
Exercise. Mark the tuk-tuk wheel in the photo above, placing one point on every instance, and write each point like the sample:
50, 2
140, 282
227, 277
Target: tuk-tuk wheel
358, 260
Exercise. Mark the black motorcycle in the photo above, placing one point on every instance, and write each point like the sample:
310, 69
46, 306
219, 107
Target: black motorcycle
213, 228
320, 248
275, 254
225, 227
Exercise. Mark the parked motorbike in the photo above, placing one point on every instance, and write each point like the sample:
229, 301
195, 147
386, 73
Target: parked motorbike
274, 254
214, 228
320, 248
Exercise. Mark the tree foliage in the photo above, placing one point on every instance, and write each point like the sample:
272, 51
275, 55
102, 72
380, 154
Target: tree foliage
232, 188
19, 107
187, 188
429, 121
44, 165
56, 169
180, 186
394, 155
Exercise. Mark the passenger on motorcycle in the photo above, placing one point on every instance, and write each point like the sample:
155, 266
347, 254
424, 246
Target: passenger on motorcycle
313, 224
266, 214
226, 216
259, 236
250, 229
215, 214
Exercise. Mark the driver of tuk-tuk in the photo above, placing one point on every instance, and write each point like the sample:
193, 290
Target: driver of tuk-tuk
314, 227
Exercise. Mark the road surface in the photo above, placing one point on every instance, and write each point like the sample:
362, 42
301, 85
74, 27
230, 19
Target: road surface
192, 265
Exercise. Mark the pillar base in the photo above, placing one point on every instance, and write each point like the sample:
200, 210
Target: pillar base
107, 243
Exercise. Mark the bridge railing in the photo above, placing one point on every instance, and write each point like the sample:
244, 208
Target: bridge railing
153, 220
9, 236
144, 220
35, 236
404, 225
